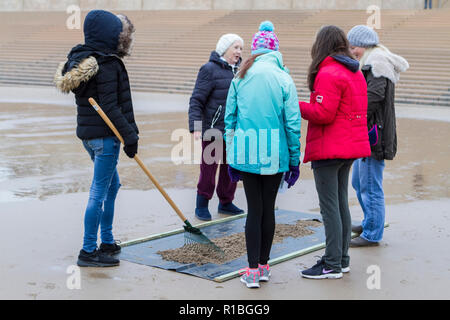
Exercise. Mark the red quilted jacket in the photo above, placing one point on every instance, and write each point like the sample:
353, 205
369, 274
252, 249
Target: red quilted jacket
336, 114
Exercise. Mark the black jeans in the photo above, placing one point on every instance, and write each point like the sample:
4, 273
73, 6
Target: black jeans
261, 192
332, 188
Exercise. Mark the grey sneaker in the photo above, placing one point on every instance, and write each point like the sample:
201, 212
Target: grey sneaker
361, 242
264, 272
357, 229
250, 277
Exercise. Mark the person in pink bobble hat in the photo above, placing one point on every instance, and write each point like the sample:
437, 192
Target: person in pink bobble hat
262, 102
265, 40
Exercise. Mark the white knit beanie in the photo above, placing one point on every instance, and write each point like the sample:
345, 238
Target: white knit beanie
226, 41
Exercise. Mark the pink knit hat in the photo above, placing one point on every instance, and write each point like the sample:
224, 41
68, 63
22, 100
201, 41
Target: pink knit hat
265, 40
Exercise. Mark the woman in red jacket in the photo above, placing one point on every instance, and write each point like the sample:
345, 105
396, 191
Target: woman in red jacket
337, 134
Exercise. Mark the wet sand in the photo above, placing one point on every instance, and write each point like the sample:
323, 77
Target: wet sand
45, 175
40, 155
42, 240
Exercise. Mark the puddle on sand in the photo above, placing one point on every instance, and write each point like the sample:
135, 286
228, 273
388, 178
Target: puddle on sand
39, 158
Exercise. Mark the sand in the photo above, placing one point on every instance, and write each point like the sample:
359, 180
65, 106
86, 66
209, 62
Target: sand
233, 246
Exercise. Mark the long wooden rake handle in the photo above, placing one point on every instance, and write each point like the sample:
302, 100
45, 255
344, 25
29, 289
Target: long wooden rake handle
138, 160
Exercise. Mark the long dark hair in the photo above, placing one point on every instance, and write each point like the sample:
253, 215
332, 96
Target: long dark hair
247, 64
330, 40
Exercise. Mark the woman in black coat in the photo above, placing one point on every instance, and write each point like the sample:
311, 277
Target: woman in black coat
206, 119
381, 69
96, 70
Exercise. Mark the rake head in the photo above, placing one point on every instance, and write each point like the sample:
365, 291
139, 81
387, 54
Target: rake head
197, 240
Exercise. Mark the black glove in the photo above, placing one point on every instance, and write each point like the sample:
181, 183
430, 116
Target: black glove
131, 150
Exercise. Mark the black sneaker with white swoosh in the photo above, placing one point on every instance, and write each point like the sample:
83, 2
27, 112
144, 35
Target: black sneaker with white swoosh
320, 271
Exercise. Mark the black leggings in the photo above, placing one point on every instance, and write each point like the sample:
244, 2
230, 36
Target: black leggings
261, 192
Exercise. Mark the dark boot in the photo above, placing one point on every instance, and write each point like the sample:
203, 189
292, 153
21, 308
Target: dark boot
201, 211
229, 208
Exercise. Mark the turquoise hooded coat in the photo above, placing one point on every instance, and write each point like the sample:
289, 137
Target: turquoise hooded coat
262, 118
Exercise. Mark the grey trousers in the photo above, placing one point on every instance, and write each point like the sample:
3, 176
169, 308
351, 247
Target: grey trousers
332, 188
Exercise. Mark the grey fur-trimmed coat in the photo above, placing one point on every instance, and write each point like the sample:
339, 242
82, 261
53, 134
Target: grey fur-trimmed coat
382, 69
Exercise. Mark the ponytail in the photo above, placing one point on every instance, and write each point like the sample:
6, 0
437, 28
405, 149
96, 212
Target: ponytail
246, 65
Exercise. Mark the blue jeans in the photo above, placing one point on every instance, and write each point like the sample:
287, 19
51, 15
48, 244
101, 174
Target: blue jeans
367, 180
104, 153
429, 4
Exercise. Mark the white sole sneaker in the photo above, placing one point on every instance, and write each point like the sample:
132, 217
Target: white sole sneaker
345, 270
264, 278
264, 273
324, 276
250, 284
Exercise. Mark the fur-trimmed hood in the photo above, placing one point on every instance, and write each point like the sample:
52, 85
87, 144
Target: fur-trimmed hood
72, 79
384, 63
106, 35
126, 37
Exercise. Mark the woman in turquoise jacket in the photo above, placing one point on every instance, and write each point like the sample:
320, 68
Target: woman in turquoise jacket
262, 134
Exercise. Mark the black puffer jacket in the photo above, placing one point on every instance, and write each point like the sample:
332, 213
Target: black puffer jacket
95, 70
381, 111
210, 92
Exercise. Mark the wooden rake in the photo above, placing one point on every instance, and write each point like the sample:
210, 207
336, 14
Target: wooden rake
192, 235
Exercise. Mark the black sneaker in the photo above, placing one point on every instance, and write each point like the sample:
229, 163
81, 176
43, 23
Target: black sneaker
96, 259
111, 249
320, 271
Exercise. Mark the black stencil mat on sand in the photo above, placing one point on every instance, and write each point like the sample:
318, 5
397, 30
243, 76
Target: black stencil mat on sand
145, 253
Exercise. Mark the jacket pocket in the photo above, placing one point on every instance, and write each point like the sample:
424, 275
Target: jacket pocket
96, 145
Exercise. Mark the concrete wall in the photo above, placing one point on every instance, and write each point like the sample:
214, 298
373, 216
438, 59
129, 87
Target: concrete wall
61, 5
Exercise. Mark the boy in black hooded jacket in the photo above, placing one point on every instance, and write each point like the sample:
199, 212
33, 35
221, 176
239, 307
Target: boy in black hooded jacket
95, 69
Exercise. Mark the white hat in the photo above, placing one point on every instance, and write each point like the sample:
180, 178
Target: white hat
226, 41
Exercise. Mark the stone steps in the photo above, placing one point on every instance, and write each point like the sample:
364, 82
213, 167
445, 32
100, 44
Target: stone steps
172, 45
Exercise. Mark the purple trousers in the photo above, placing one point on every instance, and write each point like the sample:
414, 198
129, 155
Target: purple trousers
208, 168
